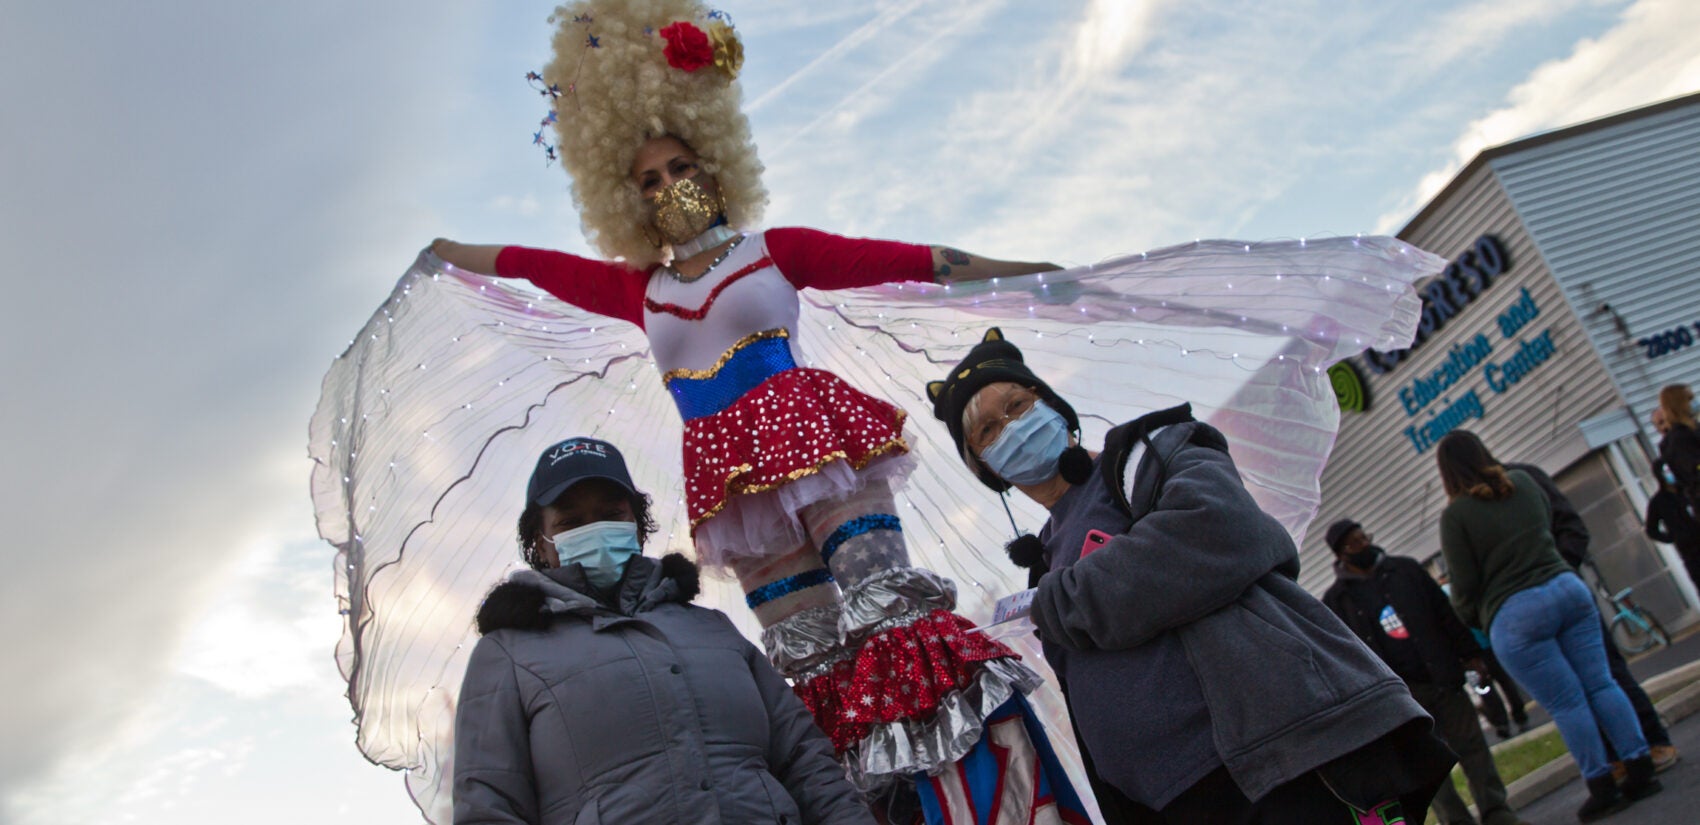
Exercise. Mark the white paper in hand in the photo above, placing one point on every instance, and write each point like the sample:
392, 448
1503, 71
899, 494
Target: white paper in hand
1009, 616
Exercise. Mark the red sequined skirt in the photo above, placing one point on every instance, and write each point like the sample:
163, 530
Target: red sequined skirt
789, 426
901, 673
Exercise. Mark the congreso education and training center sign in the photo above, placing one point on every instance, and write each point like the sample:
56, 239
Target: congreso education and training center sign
1572, 295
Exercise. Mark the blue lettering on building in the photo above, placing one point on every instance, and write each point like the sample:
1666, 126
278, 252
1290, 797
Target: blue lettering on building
1467, 356
1520, 314
1463, 357
1427, 434
1530, 354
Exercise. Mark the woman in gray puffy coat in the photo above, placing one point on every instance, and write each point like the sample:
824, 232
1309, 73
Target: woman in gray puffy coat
599, 694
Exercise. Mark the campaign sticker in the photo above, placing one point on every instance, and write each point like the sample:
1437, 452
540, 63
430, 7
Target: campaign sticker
1392, 625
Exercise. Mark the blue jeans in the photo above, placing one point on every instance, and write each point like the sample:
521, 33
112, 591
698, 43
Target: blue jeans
1548, 637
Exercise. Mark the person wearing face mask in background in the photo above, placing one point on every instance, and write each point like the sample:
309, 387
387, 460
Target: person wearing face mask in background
1679, 439
1398, 610
1669, 520
1204, 684
599, 693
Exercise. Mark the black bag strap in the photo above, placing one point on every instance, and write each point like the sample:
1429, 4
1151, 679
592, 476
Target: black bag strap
1119, 444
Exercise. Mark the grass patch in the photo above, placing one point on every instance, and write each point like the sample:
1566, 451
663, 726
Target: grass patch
1514, 762
1522, 758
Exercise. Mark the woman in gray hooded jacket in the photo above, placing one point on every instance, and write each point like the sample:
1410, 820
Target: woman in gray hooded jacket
599, 694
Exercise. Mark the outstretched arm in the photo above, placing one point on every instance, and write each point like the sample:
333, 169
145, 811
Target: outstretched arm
479, 258
952, 265
610, 289
810, 258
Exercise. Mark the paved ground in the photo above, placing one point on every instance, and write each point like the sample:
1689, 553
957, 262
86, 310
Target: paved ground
1685, 649
1678, 805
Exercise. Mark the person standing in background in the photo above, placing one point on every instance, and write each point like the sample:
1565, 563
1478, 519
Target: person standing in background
1669, 520
1508, 577
1571, 537
1680, 445
1402, 615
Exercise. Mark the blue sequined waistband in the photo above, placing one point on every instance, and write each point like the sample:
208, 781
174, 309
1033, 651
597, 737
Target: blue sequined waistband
743, 368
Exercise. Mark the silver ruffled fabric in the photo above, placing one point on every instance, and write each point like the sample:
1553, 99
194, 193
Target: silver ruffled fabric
907, 747
892, 598
804, 641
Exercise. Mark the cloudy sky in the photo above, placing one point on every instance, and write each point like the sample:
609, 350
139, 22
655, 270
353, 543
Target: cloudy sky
202, 201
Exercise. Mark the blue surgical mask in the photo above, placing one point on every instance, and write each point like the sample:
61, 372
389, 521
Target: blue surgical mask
1670, 477
602, 548
1026, 451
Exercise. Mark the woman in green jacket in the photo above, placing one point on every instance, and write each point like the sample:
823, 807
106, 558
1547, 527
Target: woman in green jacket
1508, 578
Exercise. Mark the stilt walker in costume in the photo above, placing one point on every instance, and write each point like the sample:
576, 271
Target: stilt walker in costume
788, 470
792, 456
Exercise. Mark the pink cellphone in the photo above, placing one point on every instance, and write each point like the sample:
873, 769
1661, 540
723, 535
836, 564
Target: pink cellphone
1094, 540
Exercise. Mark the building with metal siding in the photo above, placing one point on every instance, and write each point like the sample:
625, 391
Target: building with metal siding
1598, 228
1632, 270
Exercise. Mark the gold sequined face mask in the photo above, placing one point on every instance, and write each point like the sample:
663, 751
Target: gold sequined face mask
685, 210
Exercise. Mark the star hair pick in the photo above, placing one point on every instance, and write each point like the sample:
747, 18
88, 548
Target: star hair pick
553, 92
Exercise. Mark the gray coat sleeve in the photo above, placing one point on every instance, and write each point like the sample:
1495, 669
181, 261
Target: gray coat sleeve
800, 755
493, 782
1202, 544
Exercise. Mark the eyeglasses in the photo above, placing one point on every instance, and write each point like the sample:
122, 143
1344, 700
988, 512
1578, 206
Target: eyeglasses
1014, 405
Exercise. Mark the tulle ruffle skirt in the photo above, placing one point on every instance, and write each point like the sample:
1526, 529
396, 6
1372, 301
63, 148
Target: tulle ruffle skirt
800, 437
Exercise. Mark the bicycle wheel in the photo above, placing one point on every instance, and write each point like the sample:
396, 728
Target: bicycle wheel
1660, 635
1632, 634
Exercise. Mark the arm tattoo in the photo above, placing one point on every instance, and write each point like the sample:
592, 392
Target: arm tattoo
951, 257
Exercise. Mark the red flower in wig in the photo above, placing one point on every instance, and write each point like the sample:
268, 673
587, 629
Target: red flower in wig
687, 47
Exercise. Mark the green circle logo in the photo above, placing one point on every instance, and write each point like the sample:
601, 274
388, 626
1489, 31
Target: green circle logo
1348, 387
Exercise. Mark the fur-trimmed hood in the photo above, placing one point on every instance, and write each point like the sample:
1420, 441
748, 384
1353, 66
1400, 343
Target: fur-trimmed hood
532, 599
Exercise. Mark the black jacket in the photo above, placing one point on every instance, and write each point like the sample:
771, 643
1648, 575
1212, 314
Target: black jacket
1669, 521
1568, 531
1680, 449
1441, 640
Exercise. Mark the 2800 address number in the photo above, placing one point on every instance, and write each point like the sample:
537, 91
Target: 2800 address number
1669, 341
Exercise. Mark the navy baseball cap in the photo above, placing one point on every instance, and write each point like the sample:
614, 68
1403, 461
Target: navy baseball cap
1337, 531
573, 461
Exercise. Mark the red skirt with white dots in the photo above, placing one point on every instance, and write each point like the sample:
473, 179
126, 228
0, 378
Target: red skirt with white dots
803, 435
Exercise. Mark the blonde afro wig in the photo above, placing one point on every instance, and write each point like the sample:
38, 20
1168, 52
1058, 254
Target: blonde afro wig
621, 92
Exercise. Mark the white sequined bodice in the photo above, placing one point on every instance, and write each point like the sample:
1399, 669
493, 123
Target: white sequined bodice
756, 301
